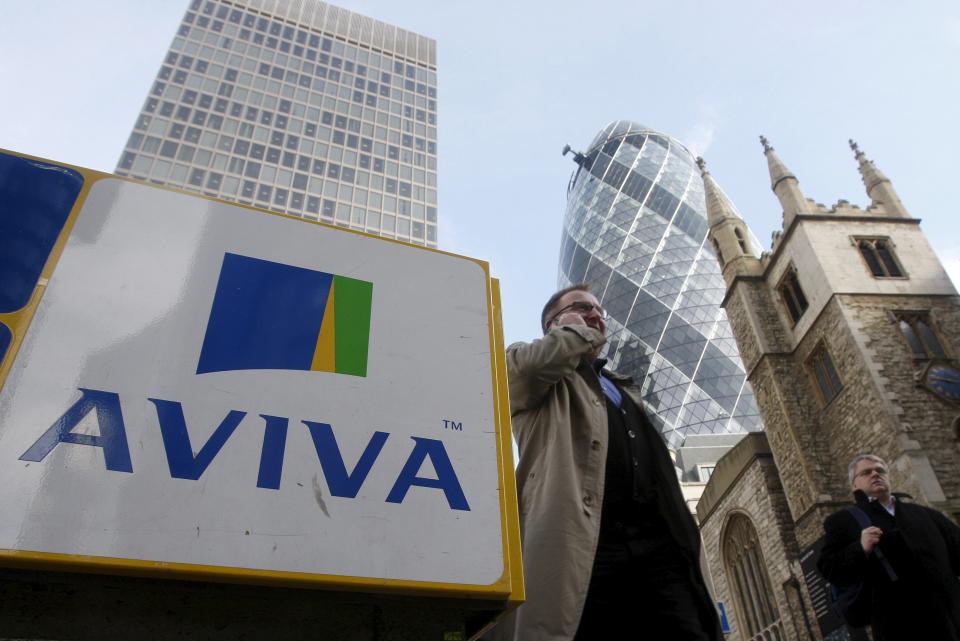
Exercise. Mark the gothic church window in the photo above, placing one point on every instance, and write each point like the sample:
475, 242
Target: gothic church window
824, 373
740, 239
918, 332
793, 296
748, 580
716, 247
880, 258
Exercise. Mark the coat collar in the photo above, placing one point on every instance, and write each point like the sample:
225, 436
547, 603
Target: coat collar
599, 366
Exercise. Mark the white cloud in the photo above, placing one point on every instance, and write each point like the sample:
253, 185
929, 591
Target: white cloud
700, 136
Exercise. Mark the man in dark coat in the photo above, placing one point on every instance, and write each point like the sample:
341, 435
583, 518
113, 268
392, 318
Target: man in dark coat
921, 545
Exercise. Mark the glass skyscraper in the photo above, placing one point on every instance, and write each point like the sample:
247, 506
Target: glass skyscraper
299, 107
635, 229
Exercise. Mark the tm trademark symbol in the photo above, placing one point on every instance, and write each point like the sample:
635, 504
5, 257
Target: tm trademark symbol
449, 424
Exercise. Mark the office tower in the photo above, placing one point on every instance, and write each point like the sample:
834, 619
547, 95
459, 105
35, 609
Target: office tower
635, 229
299, 107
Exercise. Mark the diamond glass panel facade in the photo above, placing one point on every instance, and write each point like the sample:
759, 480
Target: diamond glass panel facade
299, 107
635, 229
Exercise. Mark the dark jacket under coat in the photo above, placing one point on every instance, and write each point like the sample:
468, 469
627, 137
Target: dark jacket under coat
923, 548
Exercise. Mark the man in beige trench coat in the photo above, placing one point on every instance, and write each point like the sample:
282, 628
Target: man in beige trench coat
608, 543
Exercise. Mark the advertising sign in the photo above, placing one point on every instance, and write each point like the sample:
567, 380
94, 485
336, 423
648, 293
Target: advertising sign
197, 388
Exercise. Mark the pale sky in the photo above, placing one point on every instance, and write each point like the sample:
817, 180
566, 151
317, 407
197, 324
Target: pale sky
518, 80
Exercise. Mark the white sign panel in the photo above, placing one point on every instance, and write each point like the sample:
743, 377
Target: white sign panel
210, 385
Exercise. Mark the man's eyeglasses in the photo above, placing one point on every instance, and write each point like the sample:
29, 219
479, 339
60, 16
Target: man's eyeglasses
581, 307
881, 471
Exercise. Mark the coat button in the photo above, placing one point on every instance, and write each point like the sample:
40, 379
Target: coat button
596, 401
588, 500
631, 434
595, 445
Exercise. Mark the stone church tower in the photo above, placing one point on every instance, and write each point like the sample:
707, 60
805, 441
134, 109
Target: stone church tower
849, 330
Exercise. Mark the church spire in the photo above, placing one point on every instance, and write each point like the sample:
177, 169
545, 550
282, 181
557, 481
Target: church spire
719, 207
725, 227
784, 184
879, 188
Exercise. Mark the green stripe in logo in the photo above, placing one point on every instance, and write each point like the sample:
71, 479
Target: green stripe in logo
351, 306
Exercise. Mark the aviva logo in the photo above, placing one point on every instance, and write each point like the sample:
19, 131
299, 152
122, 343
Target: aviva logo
268, 315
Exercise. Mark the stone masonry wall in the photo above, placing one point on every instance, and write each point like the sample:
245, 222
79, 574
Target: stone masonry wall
757, 493
787, 400
880, 409
858, 419
926, 423
755, 322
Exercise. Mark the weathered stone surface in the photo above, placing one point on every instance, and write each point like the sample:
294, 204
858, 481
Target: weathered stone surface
797, 476
745, 482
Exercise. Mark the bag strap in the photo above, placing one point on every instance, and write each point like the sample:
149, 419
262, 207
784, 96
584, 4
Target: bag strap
863, 519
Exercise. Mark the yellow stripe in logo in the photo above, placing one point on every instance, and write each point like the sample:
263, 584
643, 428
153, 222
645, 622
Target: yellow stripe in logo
325, 355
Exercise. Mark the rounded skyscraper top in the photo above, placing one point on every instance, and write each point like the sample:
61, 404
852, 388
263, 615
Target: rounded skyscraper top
635, 229
618, 129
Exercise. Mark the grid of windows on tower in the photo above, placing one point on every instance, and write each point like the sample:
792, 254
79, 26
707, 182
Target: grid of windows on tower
253, 109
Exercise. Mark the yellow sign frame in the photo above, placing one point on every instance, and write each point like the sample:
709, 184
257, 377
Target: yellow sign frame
509, 588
